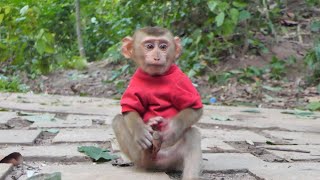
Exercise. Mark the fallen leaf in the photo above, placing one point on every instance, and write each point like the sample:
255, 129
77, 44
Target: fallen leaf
97, 153
290, 14
30, 173
53, 176
40, 117
270, 143
52, 130
14, 158
221, 118
299, 113
313, 106
288, 22
273, 89
251, 111
22, 113
250, 142
121, 163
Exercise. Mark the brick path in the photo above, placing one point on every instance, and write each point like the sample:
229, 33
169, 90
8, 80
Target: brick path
225, 144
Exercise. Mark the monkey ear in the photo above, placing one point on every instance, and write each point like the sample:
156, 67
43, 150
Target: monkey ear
178, 46
126, 48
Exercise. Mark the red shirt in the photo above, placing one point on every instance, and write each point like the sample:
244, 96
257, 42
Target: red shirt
163, 95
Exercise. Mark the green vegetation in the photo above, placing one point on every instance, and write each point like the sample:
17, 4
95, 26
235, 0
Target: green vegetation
39, 37
11, 84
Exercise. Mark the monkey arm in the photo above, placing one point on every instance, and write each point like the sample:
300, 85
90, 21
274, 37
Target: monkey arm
133, 121
179, 124
187, 117
141, 132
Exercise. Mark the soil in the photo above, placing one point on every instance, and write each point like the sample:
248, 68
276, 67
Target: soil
220, 175
293, 92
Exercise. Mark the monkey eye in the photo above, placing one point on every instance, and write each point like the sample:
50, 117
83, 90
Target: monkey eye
149, 46
163, 46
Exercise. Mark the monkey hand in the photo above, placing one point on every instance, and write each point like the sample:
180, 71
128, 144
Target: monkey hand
155, 121
143, 136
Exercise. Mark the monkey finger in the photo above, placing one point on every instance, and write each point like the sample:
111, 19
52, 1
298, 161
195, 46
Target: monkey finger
142, 145
148, 136
149, 129
148, 143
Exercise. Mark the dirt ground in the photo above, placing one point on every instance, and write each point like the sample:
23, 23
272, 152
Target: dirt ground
293, 91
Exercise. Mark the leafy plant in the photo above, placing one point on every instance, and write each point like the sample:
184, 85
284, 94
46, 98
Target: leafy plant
12, 84
312, 60
277, 68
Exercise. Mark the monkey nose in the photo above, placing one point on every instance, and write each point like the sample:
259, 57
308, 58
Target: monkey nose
156, 59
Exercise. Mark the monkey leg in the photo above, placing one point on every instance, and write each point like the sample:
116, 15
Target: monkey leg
125, 139
192, 154
185, 155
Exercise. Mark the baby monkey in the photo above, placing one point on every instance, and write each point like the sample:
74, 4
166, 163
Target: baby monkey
159, 106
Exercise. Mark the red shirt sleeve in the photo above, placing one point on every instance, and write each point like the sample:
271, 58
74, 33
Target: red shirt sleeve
185, 95
132, 101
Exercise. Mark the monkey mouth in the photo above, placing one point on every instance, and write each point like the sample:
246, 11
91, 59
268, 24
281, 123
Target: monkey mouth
157, 65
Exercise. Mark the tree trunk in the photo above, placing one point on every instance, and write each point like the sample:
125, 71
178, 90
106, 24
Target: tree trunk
78, 27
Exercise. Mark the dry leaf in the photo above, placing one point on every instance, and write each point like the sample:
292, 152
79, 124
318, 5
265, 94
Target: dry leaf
14, 158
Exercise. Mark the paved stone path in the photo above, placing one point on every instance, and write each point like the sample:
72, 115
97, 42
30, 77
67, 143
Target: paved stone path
234, 139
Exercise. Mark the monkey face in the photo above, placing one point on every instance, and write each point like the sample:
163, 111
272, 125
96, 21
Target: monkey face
157, 55
153, 54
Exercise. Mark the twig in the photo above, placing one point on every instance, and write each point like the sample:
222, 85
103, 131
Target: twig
286, 149
299, 34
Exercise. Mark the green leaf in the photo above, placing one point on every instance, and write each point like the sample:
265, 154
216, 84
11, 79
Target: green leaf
7, 9
299, 113
228, 27
212, 5
221, 118
45, 176
24, 10
96, 153
234, 13
244, 15
251, 111
220, 19
40, 46
273, 89
315, 26
40, 117
314, 106
52, 130
1, 18
239, 4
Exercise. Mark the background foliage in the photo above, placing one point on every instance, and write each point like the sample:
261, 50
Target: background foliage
39, 36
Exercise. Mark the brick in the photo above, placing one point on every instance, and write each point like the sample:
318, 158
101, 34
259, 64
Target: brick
227, 161
288, 171
18, 136
73, 117
61, 104
83, 135
4, 170
267, 118
314, 151
59, 123
232, 135
6, 116
102, 172
206, 143
56, 153
296, 137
